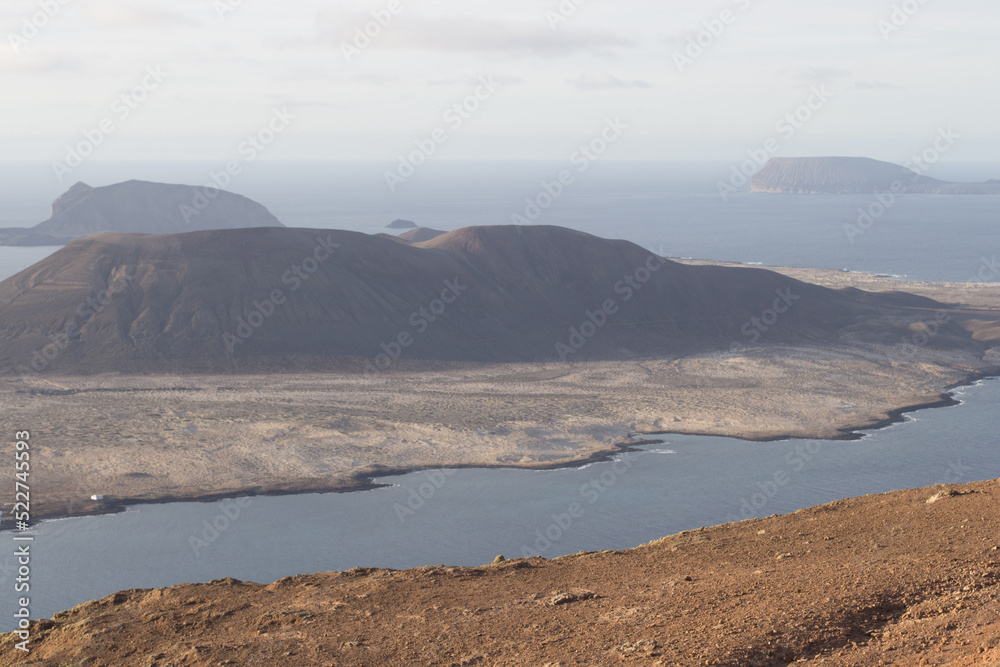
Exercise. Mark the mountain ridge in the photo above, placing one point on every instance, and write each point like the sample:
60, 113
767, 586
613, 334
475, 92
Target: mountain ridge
421, 234
238, 300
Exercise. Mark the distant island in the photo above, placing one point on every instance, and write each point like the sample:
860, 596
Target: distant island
401, 224
139, 207
855, 175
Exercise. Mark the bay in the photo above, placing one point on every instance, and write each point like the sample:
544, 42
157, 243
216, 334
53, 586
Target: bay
468, 516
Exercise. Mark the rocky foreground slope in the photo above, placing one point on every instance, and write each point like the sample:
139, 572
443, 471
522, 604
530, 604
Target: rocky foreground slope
906, 578
139, 207
252, 299
854, 175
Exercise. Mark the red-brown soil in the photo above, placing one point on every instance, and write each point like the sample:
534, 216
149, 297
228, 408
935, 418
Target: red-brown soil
882, 580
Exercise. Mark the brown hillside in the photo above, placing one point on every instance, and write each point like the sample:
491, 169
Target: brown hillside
244, 299
421, 234
881, 580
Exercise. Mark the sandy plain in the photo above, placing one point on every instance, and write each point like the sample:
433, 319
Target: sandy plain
162, 438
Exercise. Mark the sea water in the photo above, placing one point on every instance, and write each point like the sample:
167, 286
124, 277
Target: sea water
674, 209
473, 515
469, 516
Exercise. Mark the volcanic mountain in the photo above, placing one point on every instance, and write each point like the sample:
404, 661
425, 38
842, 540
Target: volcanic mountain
854, 175
140, 207
279, 298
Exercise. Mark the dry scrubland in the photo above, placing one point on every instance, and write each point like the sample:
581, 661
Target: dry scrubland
881, 580
196, 436
908, 578
154, 438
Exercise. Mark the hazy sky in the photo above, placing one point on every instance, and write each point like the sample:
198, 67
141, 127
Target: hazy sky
226, 65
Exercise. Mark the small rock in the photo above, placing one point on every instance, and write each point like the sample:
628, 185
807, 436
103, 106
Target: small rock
499, 559
946, 493
641, 646
574, 596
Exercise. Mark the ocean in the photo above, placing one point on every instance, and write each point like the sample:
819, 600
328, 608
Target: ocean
467, 517
685, 482
673, 209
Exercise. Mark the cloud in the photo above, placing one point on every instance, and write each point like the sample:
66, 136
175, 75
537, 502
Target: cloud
590, 81
470, 80
376, 79
875, 85
468, 34
36, 64
287, 100
134, 15
812, 76
807, 77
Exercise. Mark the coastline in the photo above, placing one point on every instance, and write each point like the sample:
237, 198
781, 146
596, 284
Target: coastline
204, 438
851, 582
853, 433
367, 481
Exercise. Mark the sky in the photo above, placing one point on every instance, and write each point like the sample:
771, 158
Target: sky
685, 80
